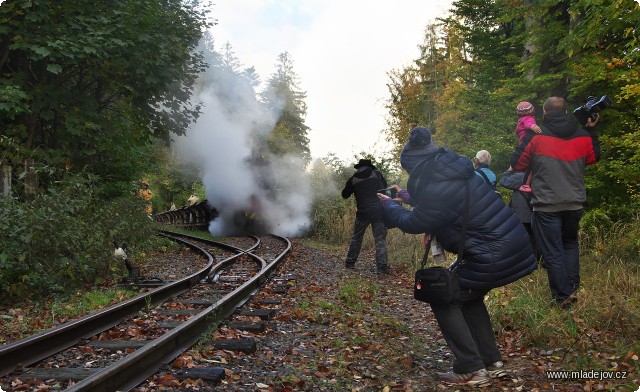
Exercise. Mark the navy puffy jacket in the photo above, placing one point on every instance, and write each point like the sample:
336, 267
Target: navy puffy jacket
497, 248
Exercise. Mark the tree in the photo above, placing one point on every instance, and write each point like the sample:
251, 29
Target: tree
79, 78
283, 97
499, 52
415, 90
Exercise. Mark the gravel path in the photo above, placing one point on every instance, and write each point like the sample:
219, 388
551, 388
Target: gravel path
322, 340
350, 330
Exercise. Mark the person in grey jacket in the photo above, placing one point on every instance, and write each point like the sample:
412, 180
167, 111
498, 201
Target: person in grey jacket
521, 204
497, 250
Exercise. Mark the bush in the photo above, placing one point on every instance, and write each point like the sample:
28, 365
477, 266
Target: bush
62, 239
333, 219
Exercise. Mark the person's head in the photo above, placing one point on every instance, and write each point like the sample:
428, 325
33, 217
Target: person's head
417, 148
364, 163
525, 108
482, 158
554, 105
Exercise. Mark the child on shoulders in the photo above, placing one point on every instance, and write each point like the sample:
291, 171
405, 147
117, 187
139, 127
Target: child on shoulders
526, 124
526, 121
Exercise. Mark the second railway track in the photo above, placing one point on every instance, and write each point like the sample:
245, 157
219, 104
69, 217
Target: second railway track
119, 347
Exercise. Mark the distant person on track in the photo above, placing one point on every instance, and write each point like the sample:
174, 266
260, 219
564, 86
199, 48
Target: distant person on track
497, 250
193, 199
364, 184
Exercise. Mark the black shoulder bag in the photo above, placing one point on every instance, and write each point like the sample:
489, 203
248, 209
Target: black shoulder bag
439, 285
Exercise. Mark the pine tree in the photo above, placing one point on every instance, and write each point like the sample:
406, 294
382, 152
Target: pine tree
283, 96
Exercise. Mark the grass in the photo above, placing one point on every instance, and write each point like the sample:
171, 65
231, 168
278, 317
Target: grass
602, 328
194, 233
18, 323
602, 331
354, 291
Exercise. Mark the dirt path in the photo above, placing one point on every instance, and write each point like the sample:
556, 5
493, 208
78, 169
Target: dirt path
337, 334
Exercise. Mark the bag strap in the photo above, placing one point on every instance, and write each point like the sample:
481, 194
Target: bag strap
465, 224
427, 246
484, 175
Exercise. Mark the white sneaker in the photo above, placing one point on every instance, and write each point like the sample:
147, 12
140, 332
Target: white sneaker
479, 378
496, 370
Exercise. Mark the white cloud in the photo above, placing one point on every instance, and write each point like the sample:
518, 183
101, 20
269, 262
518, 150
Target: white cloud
342, 51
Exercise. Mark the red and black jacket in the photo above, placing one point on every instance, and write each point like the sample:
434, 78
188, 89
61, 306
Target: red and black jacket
557, 159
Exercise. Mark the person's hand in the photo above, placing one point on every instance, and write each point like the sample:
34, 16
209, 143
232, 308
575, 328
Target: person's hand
592, 123
510, 169
382, 197
536, 128
404, 197
397, 190
384, 200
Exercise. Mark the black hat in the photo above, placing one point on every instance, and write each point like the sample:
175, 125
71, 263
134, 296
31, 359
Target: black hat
417, 148
363, 163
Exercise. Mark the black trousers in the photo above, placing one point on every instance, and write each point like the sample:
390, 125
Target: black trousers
466, 327
379, 236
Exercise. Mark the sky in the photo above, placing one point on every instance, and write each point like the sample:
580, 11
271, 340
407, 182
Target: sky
342, 52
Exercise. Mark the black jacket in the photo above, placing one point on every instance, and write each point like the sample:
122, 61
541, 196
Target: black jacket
497, 248
364, 184
520, 201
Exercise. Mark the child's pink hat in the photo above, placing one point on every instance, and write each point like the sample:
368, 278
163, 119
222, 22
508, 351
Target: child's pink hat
525, 108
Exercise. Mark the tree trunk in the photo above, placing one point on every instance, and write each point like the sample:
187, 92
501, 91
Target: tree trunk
6, 181
31, 179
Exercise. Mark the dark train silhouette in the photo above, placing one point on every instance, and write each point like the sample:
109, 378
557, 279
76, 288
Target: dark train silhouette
197, 215
191, 217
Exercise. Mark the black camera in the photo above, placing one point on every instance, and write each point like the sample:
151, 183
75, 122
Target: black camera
590, 108
391, 192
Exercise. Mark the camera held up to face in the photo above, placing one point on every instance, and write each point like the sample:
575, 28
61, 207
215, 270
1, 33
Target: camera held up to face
590, 109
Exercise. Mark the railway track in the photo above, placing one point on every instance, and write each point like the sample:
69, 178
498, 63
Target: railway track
119, 347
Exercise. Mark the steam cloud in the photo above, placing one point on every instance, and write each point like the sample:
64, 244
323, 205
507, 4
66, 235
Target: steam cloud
239, 176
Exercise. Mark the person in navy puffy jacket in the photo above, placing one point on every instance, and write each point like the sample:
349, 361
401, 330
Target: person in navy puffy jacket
497, 249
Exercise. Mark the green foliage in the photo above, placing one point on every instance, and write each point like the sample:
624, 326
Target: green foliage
603, 323
414, 91
331, 215
85, 302
80, 78
477, 64
283, 97
606, 316
62, 239
172, 180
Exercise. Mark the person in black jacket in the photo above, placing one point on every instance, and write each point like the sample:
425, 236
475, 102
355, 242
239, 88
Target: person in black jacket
497, 250
364, 184
521, 204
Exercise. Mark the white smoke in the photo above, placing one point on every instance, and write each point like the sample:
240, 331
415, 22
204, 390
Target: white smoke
241, 179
